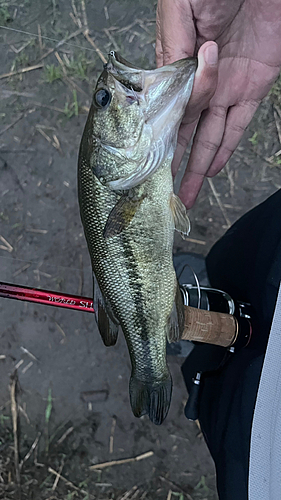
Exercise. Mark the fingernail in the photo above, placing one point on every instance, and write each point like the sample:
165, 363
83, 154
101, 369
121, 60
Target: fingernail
211, 55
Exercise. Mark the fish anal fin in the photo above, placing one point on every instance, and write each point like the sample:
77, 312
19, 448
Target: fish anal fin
176, 320
107, 324
121, 215
151, 398
181, 220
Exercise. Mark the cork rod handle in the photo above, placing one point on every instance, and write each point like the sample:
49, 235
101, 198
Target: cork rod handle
209, 327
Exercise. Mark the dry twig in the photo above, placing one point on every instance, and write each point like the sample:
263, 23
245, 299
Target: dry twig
24, 370
69, 80
192, 240
59, 44
60, 330
111, 439
7, 246
58, 475
64, 436
91, 42
14, 411
40, 39
53, 108
34, 230
106, 13
111, 38
55, 143
32, 448
278, 124
12, 124
22, 70
128, 493
216, 195
122, 461
26, 351
84, 14
134, 496
174, 485
19, 271
69, 483
22, 410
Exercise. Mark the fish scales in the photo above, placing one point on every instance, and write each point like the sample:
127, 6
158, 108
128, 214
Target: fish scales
129, 234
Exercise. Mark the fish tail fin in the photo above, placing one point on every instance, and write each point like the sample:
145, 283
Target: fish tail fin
152, 398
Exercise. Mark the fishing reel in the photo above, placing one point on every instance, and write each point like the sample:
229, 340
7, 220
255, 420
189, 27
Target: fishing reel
216, 325
229, 322
223, 322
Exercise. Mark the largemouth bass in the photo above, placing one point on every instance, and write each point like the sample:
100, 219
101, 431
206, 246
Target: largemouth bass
129, 213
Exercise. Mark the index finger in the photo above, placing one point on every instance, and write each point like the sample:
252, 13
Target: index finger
206, 142
175, 31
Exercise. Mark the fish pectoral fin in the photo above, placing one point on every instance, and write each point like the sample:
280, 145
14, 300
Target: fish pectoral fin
121, 215
152, 398
181, 220
107, 324
176, 320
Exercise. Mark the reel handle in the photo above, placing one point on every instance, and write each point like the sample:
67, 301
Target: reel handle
210, 327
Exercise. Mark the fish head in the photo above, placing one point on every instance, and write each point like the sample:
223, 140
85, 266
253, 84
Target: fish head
135, 119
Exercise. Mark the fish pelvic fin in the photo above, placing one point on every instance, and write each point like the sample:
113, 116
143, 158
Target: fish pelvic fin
176, 320
107, 324
121, 215
181, 220
151, 398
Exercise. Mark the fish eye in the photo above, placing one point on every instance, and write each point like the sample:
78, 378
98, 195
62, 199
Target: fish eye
102, 98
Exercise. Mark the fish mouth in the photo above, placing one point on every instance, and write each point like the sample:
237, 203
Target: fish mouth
134, 77
126, 73
162, 94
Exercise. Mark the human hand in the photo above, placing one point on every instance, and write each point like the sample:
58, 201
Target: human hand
248, 36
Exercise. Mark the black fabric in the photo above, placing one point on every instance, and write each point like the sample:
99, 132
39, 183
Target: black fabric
246, 263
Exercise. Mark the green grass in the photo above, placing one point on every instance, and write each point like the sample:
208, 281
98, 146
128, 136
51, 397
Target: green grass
4, 217
78, 67
52, 73
180, 496
202, 486
254, 139
20, 61
5, 17
275, 92
3, 419
71, 109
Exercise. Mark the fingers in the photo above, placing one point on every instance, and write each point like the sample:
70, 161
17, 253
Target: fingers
238, 118
216, 138
175, 31
190, 187
206, 142
203, 90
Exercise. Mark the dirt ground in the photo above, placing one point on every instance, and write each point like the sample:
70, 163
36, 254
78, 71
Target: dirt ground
73, 403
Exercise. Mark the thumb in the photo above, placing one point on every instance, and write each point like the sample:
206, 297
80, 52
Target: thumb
205, 82
175, 31
204, 87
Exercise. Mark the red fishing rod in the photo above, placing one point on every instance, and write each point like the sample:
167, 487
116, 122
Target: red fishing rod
220, 328
46, 297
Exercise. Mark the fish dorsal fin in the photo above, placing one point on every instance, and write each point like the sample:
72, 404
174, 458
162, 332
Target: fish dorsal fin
181, 220
107, 324
121, 215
